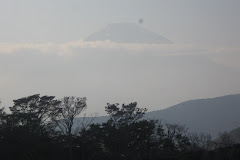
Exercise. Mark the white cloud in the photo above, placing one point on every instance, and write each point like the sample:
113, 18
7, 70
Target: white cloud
68, 48
228, 56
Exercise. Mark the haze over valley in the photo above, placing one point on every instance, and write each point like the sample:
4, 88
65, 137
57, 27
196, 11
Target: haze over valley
122, 63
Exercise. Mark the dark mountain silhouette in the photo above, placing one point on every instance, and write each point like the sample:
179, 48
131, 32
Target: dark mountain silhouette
127, 33
202, 115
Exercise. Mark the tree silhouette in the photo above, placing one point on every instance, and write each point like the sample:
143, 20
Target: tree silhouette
118, 126
40, 127
2, 122
143, 137
126, 115
34, 113
176, 138
70, 108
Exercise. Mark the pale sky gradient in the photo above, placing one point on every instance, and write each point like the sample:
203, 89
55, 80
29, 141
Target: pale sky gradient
42, 50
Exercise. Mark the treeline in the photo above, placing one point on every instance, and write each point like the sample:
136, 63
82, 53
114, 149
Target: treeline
43, 128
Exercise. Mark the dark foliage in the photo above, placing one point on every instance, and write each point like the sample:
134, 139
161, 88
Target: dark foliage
41, 128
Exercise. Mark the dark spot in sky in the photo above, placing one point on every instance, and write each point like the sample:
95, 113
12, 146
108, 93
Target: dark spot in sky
140, 21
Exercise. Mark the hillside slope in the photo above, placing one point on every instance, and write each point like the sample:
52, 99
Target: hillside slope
204, 115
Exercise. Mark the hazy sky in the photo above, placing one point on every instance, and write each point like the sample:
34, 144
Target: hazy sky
42, 50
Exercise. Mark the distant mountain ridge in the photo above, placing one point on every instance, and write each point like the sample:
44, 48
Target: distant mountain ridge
127, 33
204, 115
210, 115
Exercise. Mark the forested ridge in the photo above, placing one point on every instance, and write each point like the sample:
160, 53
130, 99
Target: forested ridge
41, 128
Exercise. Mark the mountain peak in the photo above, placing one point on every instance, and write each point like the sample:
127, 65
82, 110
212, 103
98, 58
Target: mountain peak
127, 33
